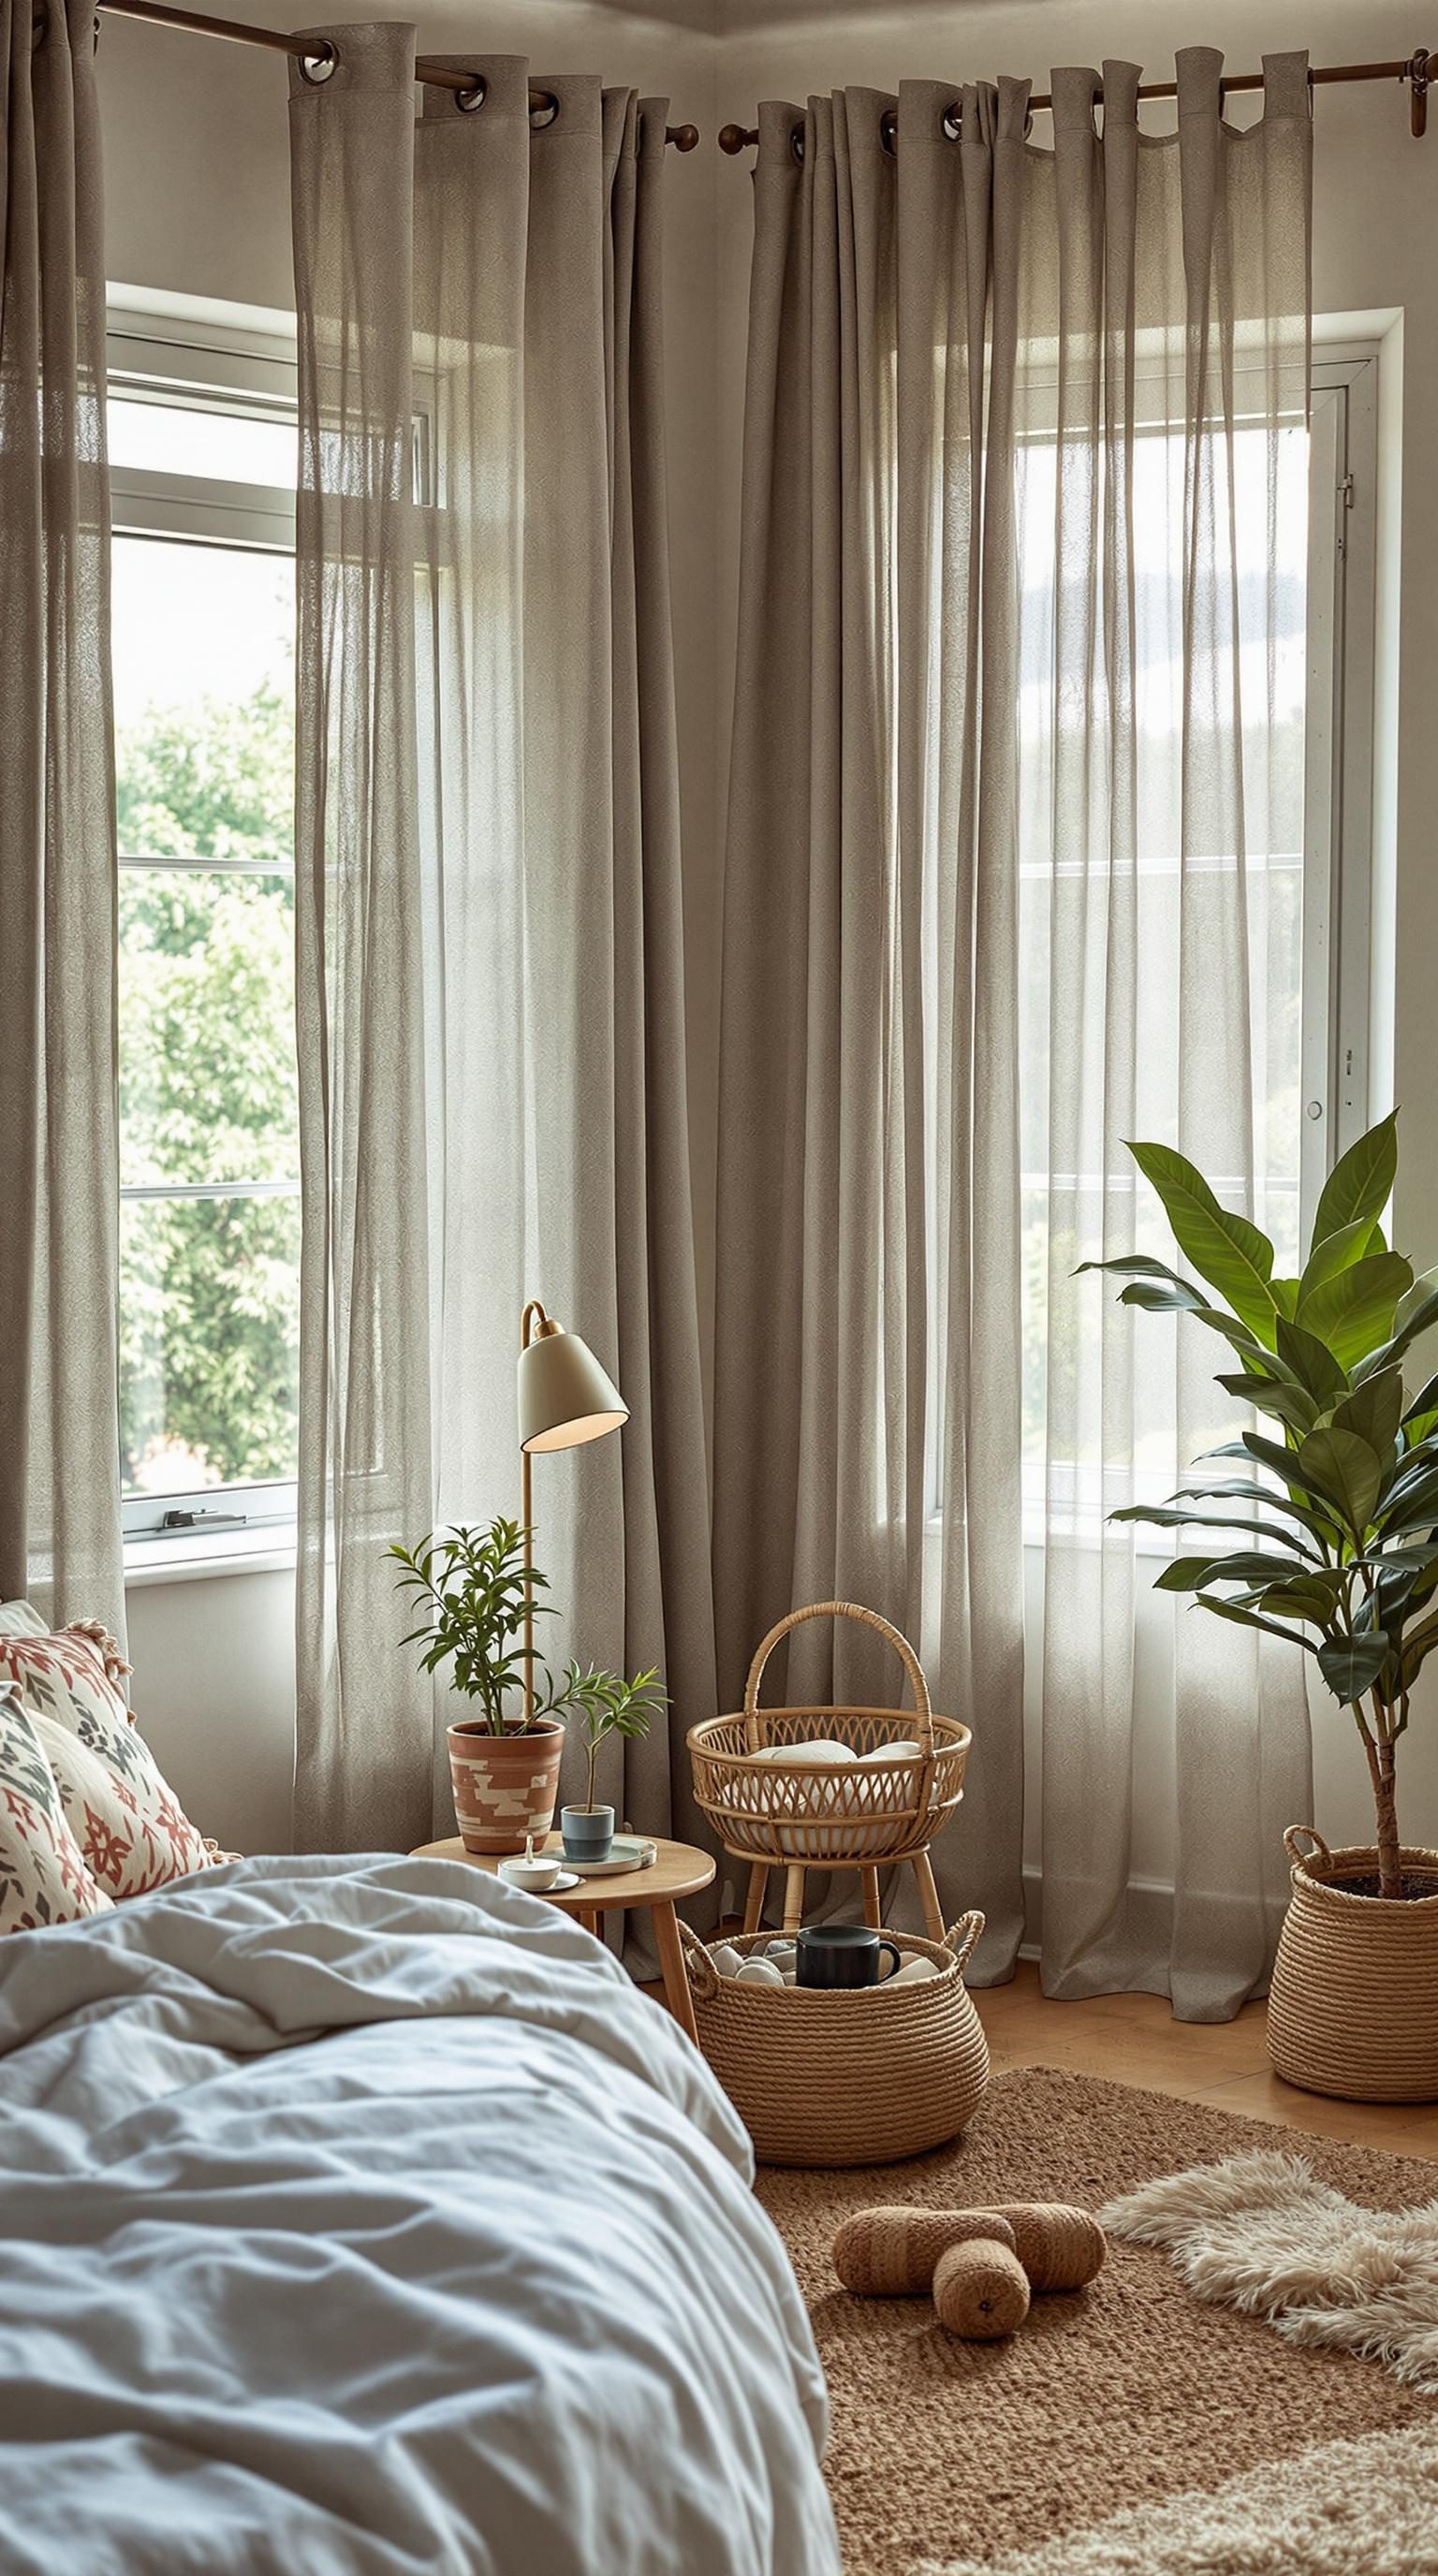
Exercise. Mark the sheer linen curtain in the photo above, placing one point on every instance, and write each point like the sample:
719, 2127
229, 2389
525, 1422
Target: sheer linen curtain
59, 1423
1015, 808
490, 994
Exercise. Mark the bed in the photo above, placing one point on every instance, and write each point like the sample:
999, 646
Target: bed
358, 2215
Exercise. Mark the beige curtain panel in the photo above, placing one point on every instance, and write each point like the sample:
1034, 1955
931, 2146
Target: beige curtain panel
490, 977
59, 1427
1012, 875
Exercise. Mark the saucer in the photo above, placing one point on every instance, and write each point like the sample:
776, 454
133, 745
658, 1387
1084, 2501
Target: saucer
626, 1852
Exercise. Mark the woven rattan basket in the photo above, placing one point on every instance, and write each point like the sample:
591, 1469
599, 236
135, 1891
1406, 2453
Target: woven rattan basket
851, 1814
1353, 2008
856, 2078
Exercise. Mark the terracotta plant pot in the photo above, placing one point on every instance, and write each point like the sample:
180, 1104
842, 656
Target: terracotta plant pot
1353, 2008
505, 1786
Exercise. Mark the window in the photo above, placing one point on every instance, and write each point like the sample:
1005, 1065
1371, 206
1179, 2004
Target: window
1307, 799
202, 437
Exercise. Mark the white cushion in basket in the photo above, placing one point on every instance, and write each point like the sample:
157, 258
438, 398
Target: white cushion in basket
816, 1750
43, 1875
904, 1751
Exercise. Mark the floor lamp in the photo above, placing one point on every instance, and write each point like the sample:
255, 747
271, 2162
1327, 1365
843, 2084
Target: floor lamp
565, 1398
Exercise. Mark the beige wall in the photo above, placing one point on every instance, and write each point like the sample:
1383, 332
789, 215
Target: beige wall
198, 202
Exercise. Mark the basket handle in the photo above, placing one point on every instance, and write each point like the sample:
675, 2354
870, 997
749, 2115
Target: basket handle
868, 1619
702, 1973
964, 1936
1291, 1845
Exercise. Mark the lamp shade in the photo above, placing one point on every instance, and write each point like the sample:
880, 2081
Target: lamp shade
565, 1396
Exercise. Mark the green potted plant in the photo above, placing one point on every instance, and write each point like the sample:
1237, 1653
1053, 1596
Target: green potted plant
605, 1707
1331, 1545
476, 1589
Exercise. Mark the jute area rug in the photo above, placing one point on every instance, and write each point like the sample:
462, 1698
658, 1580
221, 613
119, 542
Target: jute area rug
1128, 2430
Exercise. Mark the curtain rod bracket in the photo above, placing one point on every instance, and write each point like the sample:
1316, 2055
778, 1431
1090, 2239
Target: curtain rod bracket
1417, 75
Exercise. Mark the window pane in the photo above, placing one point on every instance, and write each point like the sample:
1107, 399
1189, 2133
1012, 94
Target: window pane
172, 438
204, 700
207, 1049
209, 1287
208, 1342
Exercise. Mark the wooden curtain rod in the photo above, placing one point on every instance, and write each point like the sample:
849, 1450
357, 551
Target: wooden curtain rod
469, 87
1417, 71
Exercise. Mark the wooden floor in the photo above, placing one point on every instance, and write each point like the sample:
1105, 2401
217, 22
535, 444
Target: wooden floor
1134, 2039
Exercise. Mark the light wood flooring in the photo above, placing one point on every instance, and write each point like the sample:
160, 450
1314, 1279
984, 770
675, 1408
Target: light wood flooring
1134, 2039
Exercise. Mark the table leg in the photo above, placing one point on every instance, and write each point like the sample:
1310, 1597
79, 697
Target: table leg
587, 1918
793, 1899
758, 1884
676, 1975
873, 1909
929, 1896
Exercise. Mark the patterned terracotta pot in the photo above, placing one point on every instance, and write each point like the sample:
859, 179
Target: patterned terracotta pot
505, 1786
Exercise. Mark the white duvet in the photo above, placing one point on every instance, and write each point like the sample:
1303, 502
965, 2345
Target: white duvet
358, 2215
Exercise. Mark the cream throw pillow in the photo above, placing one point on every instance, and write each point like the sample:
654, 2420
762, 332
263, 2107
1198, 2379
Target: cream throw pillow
128, 1823
43, 1875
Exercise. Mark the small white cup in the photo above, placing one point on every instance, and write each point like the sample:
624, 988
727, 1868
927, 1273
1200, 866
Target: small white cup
534, 1876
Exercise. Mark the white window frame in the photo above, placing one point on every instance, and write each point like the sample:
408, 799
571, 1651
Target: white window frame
249, 372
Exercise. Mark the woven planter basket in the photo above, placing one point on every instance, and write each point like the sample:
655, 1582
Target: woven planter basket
855, 2078
1353, 2007
851, 1813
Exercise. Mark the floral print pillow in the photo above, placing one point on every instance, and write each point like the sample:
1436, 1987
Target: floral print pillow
44, 1878
129, 1825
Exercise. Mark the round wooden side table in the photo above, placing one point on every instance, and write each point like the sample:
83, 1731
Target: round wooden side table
677, 1870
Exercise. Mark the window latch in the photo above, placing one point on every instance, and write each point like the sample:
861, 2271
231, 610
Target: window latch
178, 1520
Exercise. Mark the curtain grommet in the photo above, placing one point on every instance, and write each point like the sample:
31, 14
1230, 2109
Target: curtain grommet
889, 133
467, 100
322, 65
951, 120
543, 111
796, 142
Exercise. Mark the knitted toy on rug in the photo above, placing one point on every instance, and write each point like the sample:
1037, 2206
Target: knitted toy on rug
980, 2264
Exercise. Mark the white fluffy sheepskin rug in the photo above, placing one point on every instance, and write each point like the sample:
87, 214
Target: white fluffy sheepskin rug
1261, 2233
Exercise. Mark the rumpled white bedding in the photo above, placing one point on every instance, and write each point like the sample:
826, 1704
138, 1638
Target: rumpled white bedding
358, 2215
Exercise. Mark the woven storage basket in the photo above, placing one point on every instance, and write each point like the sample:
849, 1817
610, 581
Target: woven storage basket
854, 1812
1353, 2007
854, 2078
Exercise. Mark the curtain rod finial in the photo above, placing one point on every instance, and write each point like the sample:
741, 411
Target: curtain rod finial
683, 137
734, 139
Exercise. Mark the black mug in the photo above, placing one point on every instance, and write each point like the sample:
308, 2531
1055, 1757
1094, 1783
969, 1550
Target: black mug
842, 1954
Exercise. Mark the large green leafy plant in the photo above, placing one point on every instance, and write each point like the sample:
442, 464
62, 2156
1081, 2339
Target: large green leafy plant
472, 1586
1339, 1529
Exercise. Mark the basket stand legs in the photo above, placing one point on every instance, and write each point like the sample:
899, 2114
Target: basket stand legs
928, 1896
754, 1904
793, 1899
873, 1908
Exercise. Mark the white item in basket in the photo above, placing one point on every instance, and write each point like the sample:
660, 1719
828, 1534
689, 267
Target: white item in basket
781, 1950
817, 1752
759, 1972
906, 1750
914, 1972
726, 1960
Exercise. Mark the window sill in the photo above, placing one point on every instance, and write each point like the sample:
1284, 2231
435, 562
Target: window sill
202, 1557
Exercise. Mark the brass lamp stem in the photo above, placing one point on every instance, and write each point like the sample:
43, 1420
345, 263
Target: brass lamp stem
533, 1313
